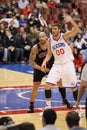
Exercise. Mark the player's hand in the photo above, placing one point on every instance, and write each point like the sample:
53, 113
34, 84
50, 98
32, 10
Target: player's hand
43, 67
67, 18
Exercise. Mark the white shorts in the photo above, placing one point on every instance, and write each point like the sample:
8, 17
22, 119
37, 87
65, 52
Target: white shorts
84, 73
65, 72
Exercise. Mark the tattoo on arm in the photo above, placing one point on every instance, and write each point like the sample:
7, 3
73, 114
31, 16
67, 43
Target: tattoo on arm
32, 61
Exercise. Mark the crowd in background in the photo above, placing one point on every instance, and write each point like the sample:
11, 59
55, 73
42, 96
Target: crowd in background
22, 20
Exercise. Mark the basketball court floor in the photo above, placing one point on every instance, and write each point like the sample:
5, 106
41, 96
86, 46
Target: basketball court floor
15, 89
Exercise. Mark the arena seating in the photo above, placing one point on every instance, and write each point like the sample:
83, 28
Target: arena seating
55, 15
81, 4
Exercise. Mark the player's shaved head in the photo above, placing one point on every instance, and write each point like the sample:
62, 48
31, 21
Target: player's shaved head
42, 33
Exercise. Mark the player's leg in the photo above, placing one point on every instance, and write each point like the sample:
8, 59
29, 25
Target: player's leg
48, 95
81, 91
75, 93
37, 77
83, 84
53, 78
70, 80
82, 88
62, 91
33, 97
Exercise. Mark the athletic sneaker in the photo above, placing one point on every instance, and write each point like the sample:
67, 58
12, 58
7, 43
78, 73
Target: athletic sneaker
65, 102
79, 111
31, 109
46, 107
41, 113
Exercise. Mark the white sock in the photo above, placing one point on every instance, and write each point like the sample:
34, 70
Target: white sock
48, 103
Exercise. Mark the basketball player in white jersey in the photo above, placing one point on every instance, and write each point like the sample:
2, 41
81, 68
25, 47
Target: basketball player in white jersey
63, 68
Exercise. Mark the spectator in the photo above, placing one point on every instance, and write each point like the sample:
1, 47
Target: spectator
85, 34
32, 21
22, 20
18, 39
2, 8
9, 8
33, 36
26, 45
75, 15
78, 59
57, 1
26, 27
14, 4
27, 10
84, 54
49, 27
51, 5
81, 26
72, 120
48, 120
1, 50
36, 13
17, 12
41, 28
13, 127
11, 52
26, 126
2, 31
8, 20
41, 5
65, 28
22, 4
79, 42
12, 28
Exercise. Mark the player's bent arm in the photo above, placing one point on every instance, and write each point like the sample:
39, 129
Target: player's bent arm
32, 58
48, 56
75, 29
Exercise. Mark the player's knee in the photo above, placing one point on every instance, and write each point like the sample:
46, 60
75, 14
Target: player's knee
74, 89
36, 86
48, 86
48, 93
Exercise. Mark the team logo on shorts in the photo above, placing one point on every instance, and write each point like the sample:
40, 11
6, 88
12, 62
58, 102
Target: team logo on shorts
73, 83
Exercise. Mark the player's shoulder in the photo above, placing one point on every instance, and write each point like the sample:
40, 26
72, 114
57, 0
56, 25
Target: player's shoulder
35, 48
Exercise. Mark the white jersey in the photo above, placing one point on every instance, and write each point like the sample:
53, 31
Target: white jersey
61, 50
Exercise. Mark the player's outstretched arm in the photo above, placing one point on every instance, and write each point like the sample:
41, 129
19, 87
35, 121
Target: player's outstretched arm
75, 29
